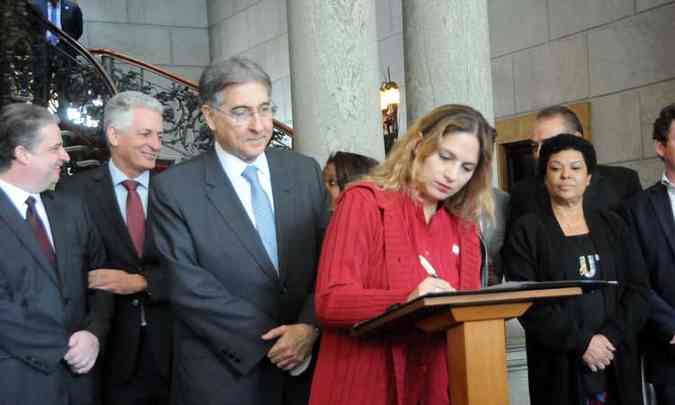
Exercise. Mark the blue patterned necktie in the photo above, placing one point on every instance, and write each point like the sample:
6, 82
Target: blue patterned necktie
262, 211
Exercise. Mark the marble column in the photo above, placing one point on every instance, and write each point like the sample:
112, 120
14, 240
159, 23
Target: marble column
447, 55
334, 77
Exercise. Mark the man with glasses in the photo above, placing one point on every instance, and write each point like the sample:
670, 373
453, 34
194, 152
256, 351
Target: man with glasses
610, 185
239, 231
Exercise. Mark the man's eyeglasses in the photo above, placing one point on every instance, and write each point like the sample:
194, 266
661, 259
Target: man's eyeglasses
244, 115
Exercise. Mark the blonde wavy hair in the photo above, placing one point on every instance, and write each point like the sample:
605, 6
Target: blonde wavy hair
400, 170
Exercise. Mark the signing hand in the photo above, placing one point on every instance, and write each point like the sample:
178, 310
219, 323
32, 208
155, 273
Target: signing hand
117, 281
430, 285
82, 352
293, 346
599, 353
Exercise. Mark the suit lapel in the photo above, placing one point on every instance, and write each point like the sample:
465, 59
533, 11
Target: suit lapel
21, 229
658, 196
101, 189
283, 207
224, 199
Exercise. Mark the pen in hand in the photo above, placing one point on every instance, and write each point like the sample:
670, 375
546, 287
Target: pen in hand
428, 267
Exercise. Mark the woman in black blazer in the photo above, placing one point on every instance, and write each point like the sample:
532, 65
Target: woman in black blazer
581, 351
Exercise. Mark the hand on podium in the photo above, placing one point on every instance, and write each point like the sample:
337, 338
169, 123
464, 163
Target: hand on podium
428, 286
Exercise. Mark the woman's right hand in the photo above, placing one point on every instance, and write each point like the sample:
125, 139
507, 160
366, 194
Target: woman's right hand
430, 285
599, 353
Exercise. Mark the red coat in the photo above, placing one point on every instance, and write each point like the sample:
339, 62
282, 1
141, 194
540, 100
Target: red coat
370, 261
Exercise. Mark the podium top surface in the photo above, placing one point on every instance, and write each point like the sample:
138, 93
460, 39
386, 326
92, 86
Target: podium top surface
511, 292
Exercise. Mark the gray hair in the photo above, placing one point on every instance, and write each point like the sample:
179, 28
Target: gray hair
20, 125
119, 109
235, 70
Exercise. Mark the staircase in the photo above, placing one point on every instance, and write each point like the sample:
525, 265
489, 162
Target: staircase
74, 83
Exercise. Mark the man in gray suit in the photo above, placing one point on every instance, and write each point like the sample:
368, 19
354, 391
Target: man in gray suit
51, 328
239, 230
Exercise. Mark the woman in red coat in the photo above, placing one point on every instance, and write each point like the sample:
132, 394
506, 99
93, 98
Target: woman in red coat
420, 205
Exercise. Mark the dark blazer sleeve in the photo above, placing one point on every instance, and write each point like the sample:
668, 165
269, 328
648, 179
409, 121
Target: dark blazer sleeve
75, 21
231, 326
639, 216
100, 303
25, 333
634, 287
526, 256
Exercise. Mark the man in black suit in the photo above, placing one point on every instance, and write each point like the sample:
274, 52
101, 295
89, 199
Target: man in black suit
65, 14
651, 214
51, 327
137, 361
610, 185
239, 230
54, 61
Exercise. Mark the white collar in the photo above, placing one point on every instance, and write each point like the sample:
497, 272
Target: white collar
118, 175
234, 166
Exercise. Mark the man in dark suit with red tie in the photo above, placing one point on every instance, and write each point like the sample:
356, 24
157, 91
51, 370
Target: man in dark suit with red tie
51, 326
138, 356
651, 214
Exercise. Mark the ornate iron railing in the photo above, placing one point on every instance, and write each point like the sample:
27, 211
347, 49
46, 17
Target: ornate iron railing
75, 83
185, 132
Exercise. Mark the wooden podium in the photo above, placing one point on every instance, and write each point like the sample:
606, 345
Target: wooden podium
474, 322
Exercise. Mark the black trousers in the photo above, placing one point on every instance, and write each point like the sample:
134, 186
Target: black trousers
665, 394
147, 386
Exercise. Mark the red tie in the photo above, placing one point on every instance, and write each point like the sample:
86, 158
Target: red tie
135, 217
39, 230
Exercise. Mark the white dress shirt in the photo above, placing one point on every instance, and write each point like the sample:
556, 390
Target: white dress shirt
19, 196
121, 192
234, 167
671, 191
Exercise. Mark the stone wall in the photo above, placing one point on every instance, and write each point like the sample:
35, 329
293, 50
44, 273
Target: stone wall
615, 54
170, 33
258, 30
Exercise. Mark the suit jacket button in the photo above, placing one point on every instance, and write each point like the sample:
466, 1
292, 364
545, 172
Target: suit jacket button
135, 302
66, 301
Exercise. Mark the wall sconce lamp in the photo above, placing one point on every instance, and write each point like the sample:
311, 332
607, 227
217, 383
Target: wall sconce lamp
390, 98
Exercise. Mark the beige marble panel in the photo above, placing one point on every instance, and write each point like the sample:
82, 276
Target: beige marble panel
571, 16
177, 13
151, 44
239, 5
633, 52
652, 99
229, 37
553, 73
383, 18
190, 46
266, 20
642, 5
104, 10
503, 86
649, 170
516, 25
616, 127
218, 10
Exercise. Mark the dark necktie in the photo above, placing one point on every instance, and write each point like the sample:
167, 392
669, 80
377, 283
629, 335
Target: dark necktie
264, 217
135, 217
39, 231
